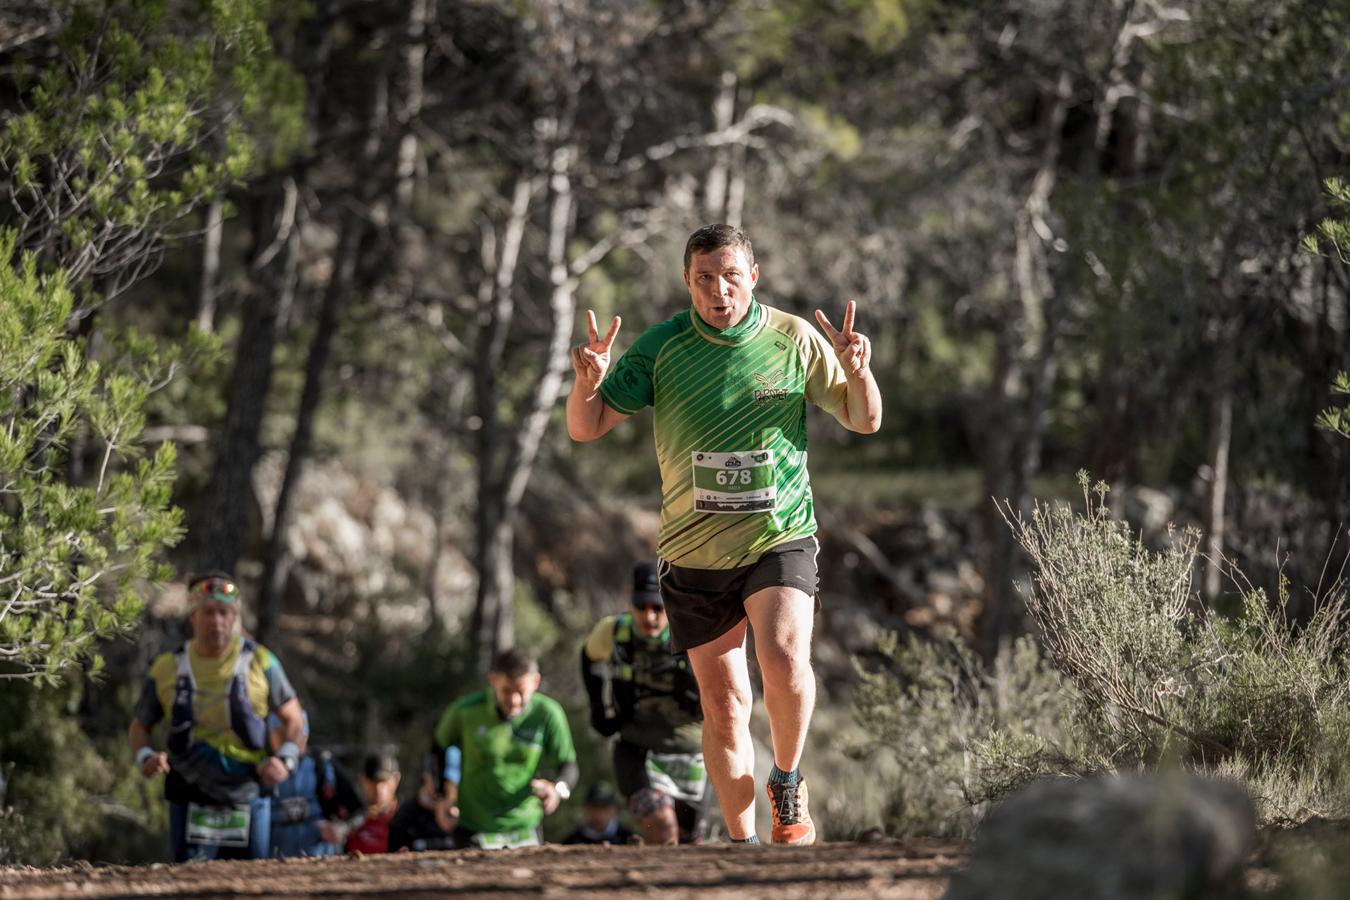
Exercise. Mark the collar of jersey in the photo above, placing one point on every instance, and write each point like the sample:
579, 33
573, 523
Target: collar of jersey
739, 333
229, 654
492, 703
658, 641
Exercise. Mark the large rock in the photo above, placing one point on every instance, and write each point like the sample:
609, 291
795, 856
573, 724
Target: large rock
1170, 836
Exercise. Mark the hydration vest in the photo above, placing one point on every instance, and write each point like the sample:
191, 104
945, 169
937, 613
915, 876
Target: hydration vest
627, 692
296, 810
248, 726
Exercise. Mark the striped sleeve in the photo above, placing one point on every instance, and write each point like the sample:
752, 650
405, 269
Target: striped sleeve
630, 384
826, 385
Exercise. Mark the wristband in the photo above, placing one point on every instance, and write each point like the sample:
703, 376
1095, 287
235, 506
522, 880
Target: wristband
564, 791
143, 754
289, 750
454, 761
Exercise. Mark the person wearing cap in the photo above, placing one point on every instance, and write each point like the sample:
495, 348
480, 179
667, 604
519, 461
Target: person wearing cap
495, 747
601, 824
648, 696
311, 808
379, 785
216, 691
414, 826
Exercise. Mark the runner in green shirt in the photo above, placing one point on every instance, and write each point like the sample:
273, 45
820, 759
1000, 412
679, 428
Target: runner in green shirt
728, 381
494, 743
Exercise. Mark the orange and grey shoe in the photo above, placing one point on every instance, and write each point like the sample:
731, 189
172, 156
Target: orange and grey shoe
791, 819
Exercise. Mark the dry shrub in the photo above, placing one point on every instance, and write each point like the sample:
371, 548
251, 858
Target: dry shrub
1137, 673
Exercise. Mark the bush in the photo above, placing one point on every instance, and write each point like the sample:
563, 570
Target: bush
1165, 676
1136, 674
962, 732
64, 799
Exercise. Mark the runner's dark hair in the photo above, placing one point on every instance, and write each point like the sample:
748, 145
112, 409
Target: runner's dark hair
715, 237
515, 662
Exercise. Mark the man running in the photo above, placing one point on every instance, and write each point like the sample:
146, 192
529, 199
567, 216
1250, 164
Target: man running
216, 690
494, 744
728, 380
648, 696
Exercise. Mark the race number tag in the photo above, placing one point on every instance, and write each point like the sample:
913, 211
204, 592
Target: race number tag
507, 840
681, 775
734, 482
224, 826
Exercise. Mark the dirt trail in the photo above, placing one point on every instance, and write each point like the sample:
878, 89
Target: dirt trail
887, 870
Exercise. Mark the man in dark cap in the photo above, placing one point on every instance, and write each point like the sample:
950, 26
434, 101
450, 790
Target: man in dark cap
379, 783
648, 696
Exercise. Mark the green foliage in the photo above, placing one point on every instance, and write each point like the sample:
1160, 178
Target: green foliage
1135, 673
1162, 677
73, 558
962, 733
141, 117
59, 787
1333, 232
769, 35
1337, 418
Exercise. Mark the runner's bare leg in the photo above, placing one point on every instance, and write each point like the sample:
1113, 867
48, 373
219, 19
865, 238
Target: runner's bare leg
782, 618
724, 686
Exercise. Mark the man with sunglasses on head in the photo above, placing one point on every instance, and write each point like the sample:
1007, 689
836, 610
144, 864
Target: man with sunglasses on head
729, 380
216, 691
648, 696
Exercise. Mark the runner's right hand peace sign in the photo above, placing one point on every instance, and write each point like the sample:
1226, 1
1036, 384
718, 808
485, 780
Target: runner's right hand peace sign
853, 348
591, 360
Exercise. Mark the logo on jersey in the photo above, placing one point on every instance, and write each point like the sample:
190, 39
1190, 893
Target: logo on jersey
769, 388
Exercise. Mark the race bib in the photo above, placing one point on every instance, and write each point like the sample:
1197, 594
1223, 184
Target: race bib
224, 826
507, 840
742, 482
681, 775
292, 810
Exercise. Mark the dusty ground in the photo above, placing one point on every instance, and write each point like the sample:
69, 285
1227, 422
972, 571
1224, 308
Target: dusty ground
888, 870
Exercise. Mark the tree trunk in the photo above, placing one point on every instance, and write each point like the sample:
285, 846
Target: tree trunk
440, 511
719, 173
218, 538
736, 186
1220, 441
275, 565
347, 254
534, 421
206, 296
414, 68
1036, 292
494, 325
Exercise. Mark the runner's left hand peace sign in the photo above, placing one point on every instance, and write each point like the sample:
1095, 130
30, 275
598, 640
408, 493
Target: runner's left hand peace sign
853, 348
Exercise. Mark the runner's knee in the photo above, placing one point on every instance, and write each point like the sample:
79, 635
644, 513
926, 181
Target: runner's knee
726, 708
787, 667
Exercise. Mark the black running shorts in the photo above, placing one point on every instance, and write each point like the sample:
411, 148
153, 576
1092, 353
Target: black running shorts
704, 604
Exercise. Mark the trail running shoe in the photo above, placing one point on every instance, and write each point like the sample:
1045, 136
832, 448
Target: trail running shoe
791, 819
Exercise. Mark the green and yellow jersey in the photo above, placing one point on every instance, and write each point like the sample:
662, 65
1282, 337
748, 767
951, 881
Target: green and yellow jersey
266, 687
730, 428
